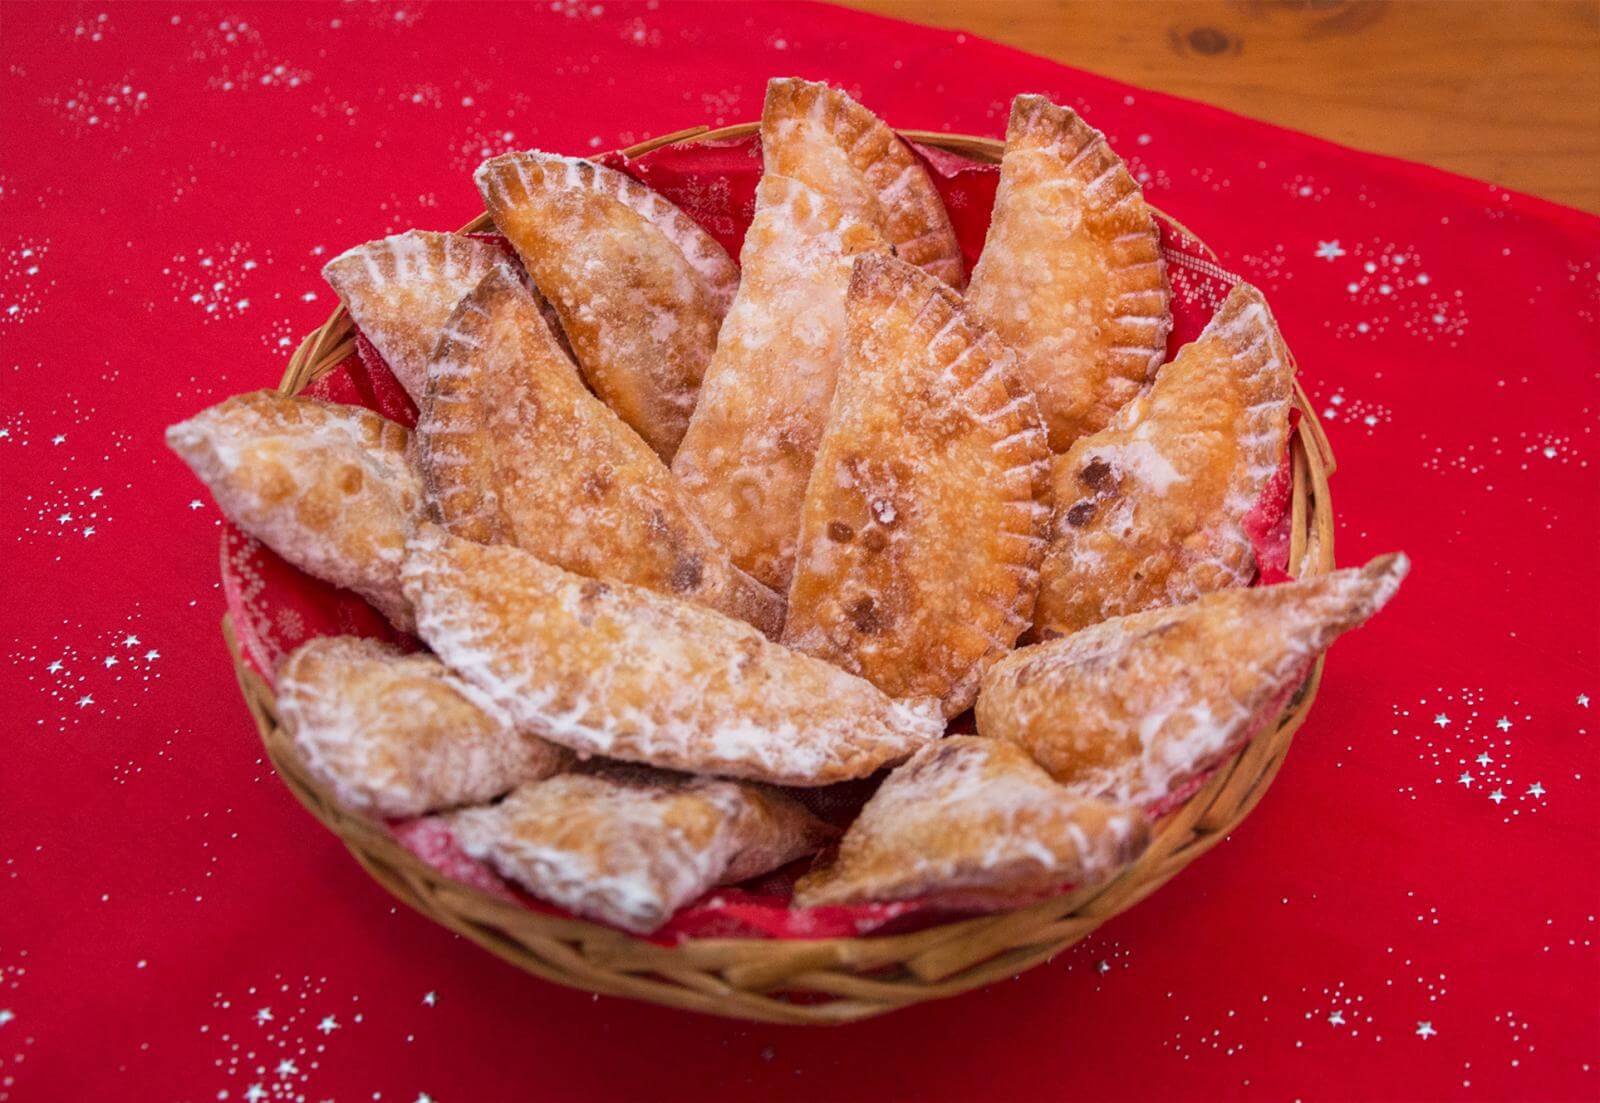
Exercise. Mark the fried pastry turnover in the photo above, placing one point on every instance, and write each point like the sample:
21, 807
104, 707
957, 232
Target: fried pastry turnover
326, 486
513, 449
829, 142
923, 523
1071, 274
616, 670
972, 822
1133, 708
1150, 510
399, 735
629, 845
640, 288
400, 290
764, 400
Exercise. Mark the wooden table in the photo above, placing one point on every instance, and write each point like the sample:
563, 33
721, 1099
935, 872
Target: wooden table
1501, 91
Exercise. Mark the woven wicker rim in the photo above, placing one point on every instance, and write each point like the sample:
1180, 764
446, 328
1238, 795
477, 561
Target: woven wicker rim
826, 980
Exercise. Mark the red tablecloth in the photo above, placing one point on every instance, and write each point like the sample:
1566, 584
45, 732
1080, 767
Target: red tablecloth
1409, 914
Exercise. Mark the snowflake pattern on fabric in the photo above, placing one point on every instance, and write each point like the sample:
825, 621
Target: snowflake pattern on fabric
174, 925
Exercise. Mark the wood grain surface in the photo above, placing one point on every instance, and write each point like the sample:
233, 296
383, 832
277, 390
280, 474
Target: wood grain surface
1502, 91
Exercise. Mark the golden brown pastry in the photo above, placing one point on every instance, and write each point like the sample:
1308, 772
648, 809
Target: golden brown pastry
1071, 274
828, 141
923, 527
1132, 708
640, 288
764, 400
513, 449
1150, 510
328, 487
399, 290
972, 822
616, 670
399, 735
629, 846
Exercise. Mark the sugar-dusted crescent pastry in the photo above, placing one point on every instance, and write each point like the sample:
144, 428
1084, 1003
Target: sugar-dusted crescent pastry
1150, 510
513, 449
616, 670
923, 523
1132, 708
1071, 274
399, 290
764, 400
973, 822
640, 288
629, 845
326, 486
399, 735
823, 138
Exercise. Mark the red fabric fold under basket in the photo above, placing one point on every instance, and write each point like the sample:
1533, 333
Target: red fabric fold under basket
276, 608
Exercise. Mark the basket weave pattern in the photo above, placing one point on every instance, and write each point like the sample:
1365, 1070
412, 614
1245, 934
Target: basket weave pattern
826, 980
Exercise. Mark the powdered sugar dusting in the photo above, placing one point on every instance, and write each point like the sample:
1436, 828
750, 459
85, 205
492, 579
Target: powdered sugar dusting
617, 261
973, 821
1152, 509
327, 487
616, 670
750, 445
399, 291
1134, 707
828, 141
400, 735
1071, 274
630, 847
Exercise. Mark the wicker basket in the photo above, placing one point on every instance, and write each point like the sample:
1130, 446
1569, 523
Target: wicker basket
830, 980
